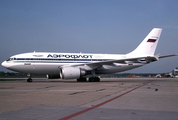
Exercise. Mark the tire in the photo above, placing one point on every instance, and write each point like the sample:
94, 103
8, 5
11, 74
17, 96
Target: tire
91, 79
29, 80
82, 80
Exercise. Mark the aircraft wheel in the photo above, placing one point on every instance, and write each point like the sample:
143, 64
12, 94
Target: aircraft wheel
91, 79
97, 79
82, 79
29, 80
94, 79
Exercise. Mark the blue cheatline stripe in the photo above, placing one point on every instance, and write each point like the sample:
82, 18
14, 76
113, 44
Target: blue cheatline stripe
47, 60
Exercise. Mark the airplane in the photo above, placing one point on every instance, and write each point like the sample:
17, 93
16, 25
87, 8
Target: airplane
78, 65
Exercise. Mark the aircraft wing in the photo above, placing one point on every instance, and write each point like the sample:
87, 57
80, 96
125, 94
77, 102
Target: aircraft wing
95, 65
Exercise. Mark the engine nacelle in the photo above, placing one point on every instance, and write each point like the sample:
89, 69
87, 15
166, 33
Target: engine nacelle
53, 76
71, 73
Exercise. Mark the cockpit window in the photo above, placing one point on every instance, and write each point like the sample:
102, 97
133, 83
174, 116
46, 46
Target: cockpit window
10, 59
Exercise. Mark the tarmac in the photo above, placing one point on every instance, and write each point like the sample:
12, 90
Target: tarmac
110, 99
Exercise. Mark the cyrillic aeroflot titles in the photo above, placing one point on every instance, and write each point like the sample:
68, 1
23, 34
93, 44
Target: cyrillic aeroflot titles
69, 56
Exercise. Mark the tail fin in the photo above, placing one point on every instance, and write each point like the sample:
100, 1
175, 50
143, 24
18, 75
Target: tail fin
148, 45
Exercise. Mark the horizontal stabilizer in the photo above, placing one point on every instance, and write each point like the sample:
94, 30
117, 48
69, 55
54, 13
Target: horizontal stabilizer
165, 56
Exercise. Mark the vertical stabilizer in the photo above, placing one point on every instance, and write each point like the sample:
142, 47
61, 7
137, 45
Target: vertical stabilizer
148, 45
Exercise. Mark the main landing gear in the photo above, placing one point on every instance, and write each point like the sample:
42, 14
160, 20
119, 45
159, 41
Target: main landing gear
94, 79
29, 78
82, 79
91, 79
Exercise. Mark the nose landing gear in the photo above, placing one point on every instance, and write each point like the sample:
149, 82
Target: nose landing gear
29, 78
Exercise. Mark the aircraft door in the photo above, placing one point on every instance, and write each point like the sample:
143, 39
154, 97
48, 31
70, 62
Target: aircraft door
28, 63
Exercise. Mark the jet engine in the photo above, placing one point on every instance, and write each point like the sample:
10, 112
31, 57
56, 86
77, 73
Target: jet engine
71, 73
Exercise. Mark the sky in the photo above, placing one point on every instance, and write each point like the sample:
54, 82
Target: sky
89, 26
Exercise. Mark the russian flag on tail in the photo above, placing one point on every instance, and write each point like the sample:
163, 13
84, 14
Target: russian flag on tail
151, 40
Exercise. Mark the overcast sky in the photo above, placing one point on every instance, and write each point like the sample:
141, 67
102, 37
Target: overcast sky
88, 26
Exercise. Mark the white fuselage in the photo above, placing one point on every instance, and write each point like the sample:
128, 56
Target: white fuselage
77, 65
50, 63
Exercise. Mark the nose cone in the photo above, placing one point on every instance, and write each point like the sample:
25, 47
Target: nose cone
9, 65
5, 64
